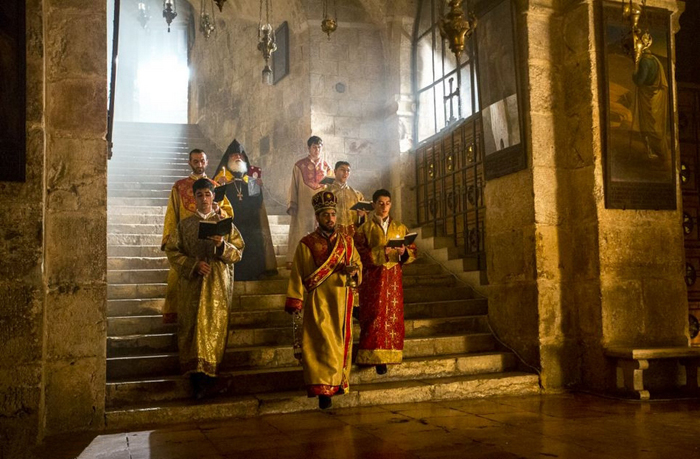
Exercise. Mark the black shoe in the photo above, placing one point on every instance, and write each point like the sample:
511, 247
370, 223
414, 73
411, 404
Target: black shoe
324, 402
381, 369
200, 385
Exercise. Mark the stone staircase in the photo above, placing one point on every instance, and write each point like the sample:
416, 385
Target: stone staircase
449, 350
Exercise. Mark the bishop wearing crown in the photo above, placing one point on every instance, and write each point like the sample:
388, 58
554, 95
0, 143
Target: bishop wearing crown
325, 270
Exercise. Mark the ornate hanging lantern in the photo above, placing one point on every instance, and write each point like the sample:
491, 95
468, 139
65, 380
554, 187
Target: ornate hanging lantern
169, 11
455, 28
266, 41
636, 40
329, 24
207, 25
144, 14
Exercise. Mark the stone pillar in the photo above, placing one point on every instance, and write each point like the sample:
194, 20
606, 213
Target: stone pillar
75, 226
21, 279
568, 276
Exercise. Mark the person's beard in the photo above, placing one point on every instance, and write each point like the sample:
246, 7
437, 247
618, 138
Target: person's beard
238, 167
327, 229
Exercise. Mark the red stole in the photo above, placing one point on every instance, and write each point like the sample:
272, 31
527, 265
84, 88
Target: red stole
312, 173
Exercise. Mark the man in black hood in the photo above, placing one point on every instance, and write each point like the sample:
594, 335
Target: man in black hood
244, 191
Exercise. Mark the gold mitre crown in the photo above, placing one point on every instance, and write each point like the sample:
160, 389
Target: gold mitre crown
324, 200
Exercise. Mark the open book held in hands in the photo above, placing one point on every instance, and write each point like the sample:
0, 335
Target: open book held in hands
327, 180
363, 205
209, 228
406, 240
220, 193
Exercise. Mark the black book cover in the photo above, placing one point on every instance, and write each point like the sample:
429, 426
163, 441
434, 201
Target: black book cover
209, 228
406, 240
363, 205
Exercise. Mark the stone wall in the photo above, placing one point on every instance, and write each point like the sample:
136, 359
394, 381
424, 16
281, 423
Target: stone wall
337, 89
53, 228
568, 276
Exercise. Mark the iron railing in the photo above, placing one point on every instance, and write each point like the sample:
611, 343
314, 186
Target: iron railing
450, 181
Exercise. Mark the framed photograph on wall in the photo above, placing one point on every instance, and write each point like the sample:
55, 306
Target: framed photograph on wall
498, 90
640, 151
13, 99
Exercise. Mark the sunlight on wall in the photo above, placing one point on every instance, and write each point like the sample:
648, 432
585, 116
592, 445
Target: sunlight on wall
159, 87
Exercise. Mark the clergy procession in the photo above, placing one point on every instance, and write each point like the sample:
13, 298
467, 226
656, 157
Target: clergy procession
344, 261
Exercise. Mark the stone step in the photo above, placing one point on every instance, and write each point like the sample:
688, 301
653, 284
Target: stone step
279, 238
391, 392
443, 280
116, 185
275, 326
134, 239
168, 168
135, 291
142, 194
137, 276
164, 364
276, 288
248, 382
132, 263
279, 229
136, 228
135, 307
130, 149
137, 202
114, 210
147, 251
158, 180
153, 306
279, 219
164, 178
132, 219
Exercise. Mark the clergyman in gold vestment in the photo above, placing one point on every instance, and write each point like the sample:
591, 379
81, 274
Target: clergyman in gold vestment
181, 205
204, 289
324, 271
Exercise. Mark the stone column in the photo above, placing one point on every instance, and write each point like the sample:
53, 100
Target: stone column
568, 276
75, 230
21, 279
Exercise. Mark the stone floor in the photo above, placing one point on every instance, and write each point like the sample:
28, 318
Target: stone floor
549, 426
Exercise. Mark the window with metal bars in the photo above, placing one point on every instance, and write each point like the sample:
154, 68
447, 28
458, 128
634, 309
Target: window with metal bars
444, 88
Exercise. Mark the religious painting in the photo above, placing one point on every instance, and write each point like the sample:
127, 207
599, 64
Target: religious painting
12, 91
280, 58
639, 140
498, 90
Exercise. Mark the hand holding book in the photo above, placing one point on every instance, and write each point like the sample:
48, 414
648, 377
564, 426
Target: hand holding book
209, 228
407, 240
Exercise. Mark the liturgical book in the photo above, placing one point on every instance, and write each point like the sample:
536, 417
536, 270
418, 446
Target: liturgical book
406, 240
209, 228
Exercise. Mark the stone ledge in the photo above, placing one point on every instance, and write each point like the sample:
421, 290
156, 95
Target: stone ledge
454, 388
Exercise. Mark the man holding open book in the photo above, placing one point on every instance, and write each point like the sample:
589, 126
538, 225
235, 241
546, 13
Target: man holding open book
202, 251
348, 217
385, 245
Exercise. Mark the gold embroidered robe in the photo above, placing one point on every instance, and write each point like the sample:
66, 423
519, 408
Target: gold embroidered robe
203, 301
305, 184
317, 287
347, 197
181, 205
381, 295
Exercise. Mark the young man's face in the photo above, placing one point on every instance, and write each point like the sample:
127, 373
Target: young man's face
326, 220
382, 206
342, 173
315, 150
204, 198
198, 162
